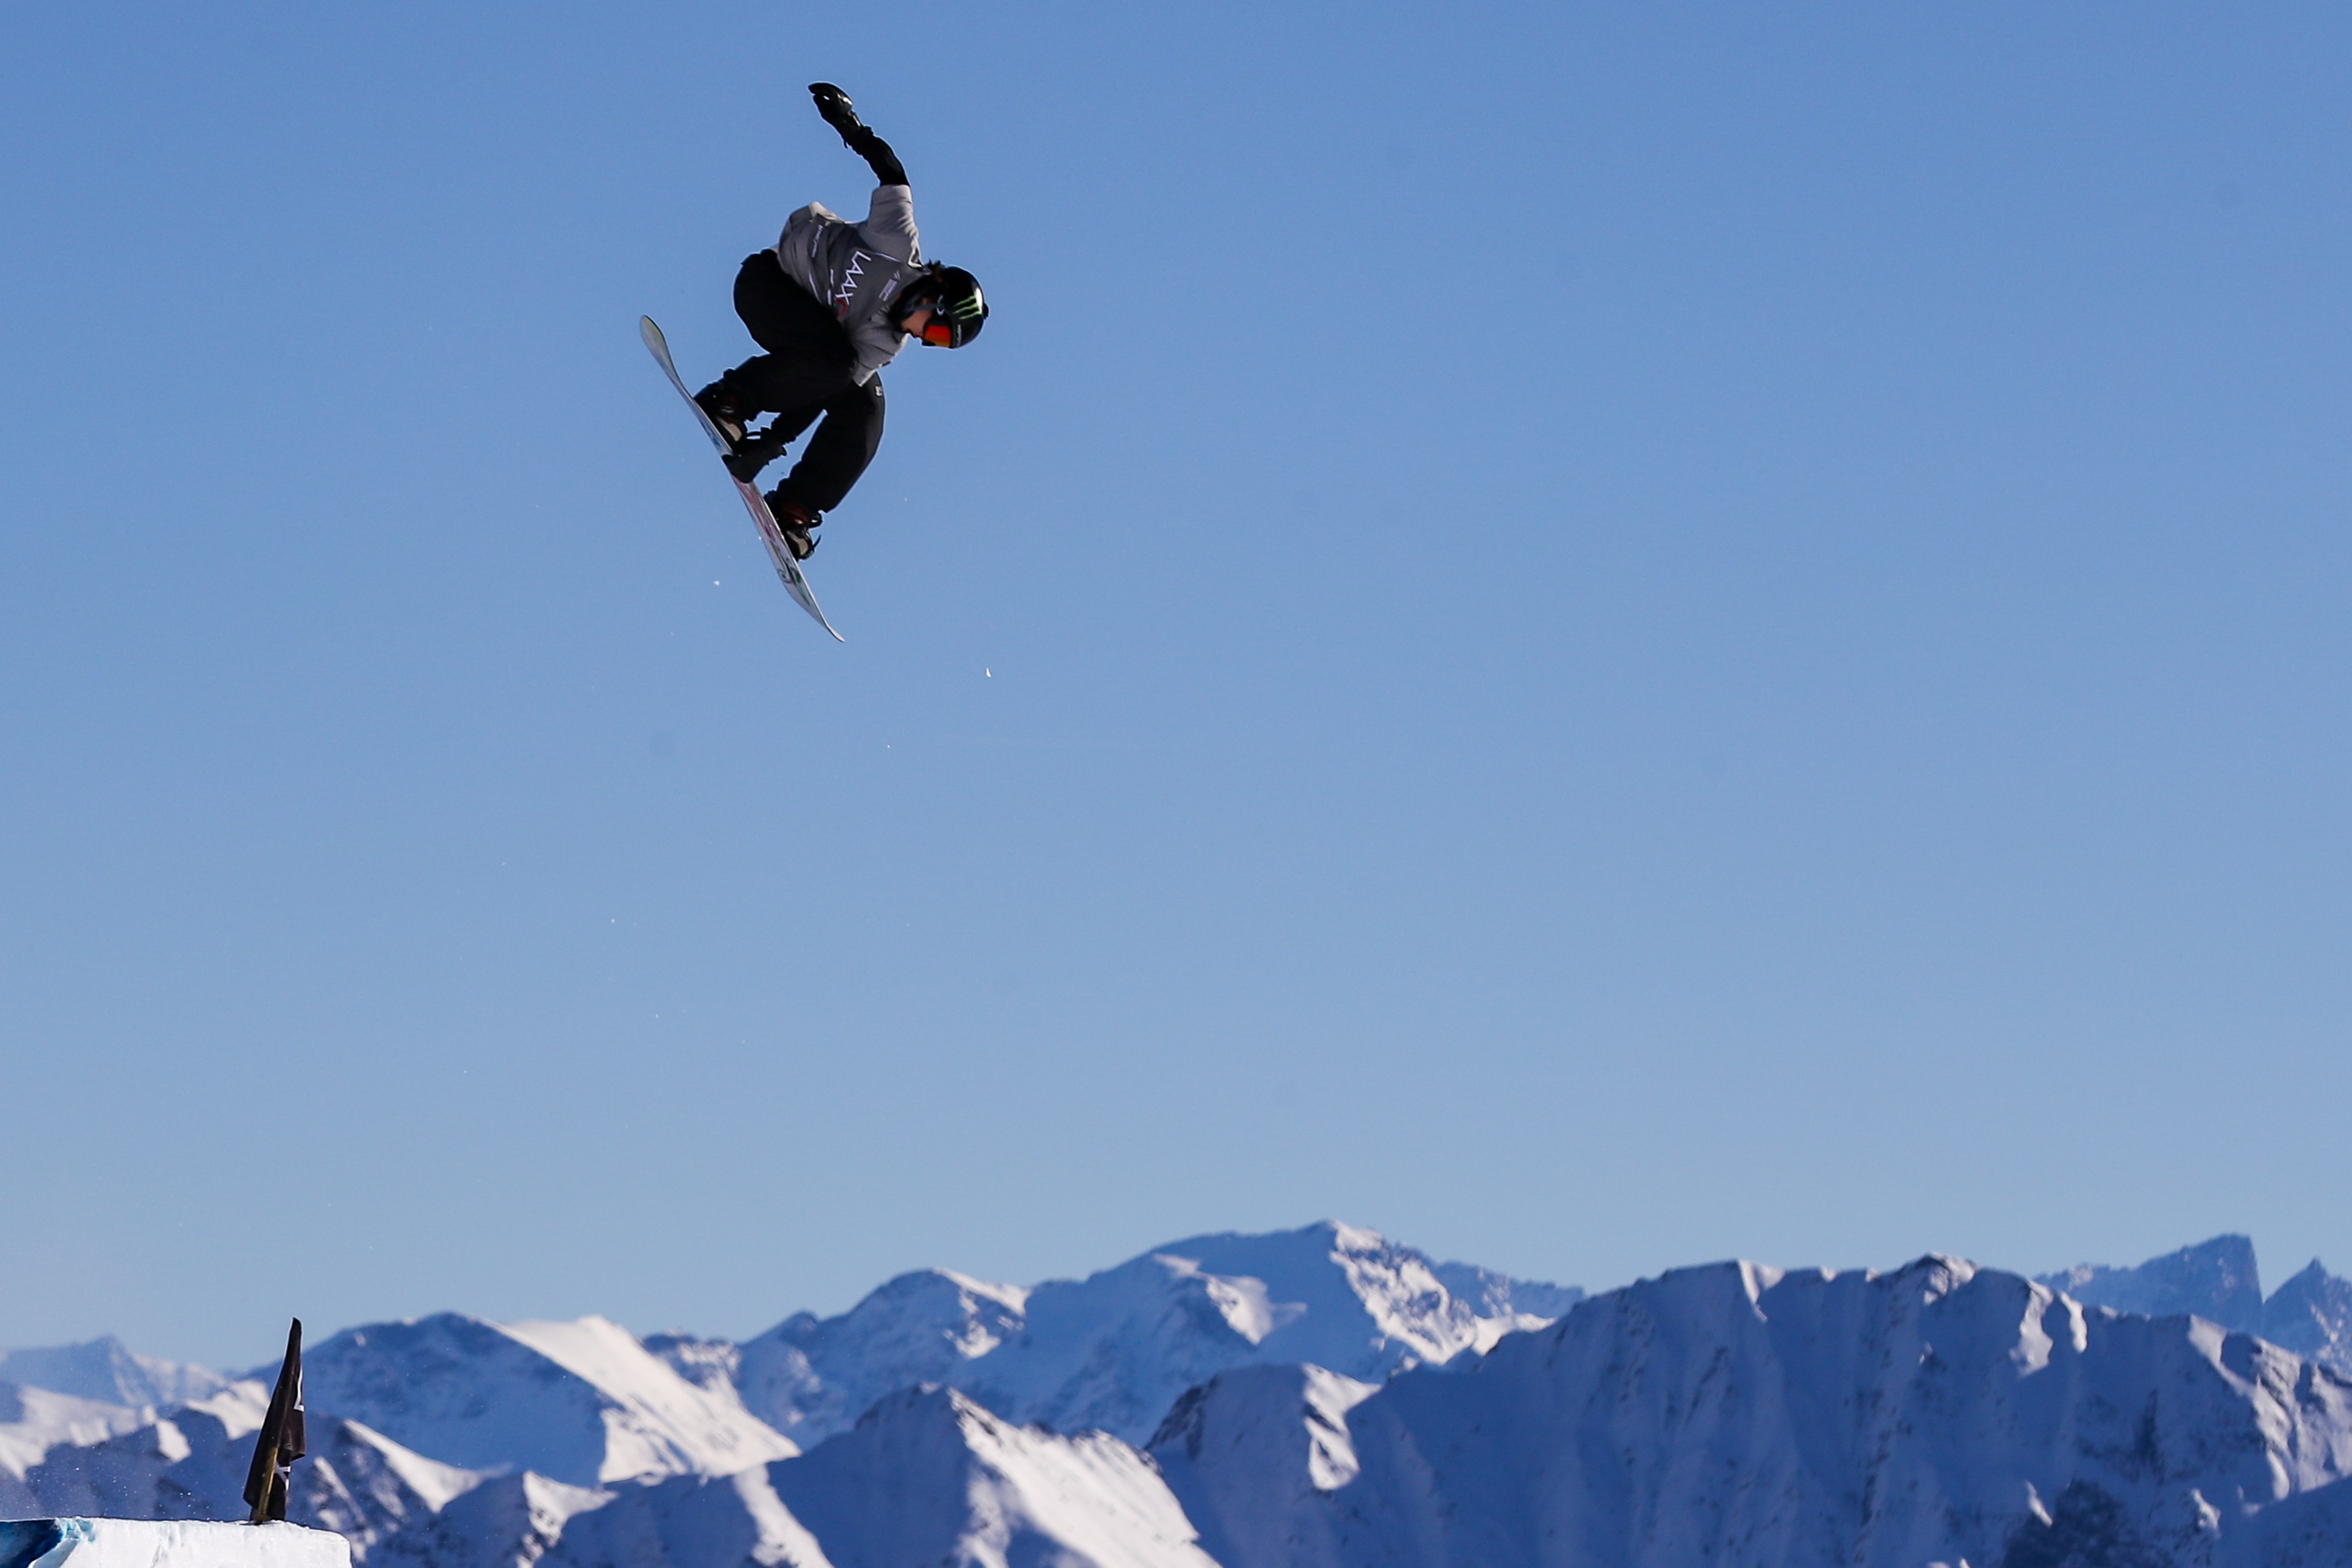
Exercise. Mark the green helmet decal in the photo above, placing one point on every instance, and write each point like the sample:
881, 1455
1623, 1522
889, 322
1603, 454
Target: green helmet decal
959, 309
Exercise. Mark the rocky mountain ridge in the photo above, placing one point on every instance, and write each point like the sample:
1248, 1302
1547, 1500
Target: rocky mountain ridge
2219, 1281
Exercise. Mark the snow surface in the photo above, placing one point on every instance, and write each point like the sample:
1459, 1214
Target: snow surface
148, 1543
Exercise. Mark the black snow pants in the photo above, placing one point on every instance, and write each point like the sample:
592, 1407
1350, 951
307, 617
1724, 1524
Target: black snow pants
805, 374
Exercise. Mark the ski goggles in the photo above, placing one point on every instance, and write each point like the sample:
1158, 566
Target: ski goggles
955, 318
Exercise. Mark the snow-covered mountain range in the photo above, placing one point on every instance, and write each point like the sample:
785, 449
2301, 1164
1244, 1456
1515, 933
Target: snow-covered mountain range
1113, 1351
1320, 1398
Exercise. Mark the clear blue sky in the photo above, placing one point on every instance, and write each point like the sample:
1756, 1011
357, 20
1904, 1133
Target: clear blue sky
1598, 637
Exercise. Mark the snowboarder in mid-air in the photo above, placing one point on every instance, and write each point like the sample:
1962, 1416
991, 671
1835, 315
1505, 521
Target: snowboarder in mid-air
831, 304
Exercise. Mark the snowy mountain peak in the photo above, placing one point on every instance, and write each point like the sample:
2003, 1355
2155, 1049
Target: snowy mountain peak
581, 1403
1113, 1349
810, 1377
2216, 1280
108, 1371
1937, 1274
2311, 1315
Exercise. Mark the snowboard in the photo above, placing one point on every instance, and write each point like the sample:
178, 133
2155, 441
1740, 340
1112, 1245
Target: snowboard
795, 581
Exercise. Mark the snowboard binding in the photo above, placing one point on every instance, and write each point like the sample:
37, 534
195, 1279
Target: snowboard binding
718, 405
796, 522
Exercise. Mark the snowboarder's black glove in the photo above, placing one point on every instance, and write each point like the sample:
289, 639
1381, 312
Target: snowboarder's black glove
834, 105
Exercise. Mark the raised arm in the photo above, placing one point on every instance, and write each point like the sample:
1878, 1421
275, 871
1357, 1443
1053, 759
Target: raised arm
834, 104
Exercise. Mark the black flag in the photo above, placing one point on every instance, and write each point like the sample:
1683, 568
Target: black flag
280, 1442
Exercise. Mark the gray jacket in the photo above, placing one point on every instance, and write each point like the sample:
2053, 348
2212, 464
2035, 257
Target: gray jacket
857, 268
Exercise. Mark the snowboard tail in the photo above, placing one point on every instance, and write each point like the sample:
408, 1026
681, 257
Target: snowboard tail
788, 570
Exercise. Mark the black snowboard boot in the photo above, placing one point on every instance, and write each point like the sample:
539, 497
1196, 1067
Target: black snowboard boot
755, 450
796, 522
719, 404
